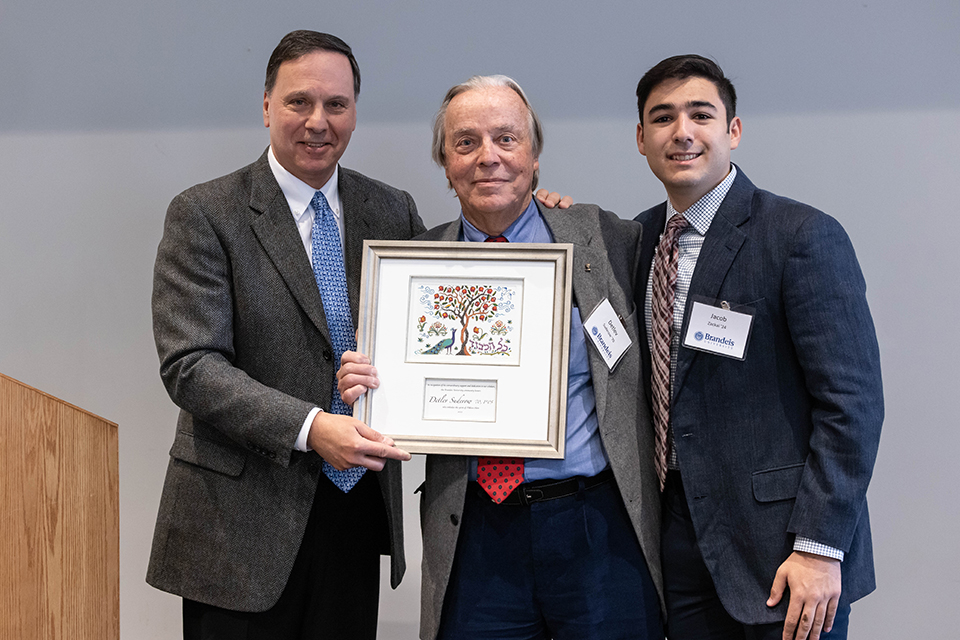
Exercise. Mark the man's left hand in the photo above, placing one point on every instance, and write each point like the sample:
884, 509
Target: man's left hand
553, 199
814, 583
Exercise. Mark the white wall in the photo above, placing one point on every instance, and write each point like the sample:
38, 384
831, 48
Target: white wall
108, 112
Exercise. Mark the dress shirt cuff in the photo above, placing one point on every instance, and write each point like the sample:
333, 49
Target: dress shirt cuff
811, 546
305, 431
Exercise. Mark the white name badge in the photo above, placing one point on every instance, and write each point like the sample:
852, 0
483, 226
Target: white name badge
608, 334
718, 330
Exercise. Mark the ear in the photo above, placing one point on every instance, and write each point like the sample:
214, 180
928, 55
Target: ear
736, 130
266, 109
640, 139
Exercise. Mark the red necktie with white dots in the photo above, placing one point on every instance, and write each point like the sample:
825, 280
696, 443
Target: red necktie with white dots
497, 475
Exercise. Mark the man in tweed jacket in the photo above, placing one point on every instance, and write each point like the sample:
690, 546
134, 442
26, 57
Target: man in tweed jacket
573, 551
251, 533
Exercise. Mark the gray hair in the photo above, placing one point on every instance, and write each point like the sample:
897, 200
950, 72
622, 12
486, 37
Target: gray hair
482, 82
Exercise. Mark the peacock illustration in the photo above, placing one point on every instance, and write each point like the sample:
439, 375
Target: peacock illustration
446, 343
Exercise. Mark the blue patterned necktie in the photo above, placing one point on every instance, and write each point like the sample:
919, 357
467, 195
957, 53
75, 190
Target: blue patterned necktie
332, 281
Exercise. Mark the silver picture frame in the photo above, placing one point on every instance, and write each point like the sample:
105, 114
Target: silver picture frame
471, 345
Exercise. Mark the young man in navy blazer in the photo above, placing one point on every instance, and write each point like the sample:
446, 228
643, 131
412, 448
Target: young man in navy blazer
765, 532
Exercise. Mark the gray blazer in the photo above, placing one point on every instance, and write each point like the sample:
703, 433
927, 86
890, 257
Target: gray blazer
245, 353
611, 248
784, 442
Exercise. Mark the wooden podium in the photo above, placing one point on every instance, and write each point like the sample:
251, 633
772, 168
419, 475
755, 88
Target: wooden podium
59, 519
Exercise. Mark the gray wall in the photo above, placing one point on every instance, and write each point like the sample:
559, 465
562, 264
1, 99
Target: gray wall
109, 108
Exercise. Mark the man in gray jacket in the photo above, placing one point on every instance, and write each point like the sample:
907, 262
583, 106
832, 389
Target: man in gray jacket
573, 551
268, 527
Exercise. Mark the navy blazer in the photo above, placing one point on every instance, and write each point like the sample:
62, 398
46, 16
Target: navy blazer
784, 442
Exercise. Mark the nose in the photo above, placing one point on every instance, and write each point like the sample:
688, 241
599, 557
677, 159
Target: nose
487, 153
682, 131
317, 120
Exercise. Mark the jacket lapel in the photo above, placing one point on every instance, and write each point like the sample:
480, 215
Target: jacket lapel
648, 245
589, 287
278, 235
720, 247
451, 232
358, 221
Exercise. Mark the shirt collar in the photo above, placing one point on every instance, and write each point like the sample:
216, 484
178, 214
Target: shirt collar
299, 194
701, 213
529, 227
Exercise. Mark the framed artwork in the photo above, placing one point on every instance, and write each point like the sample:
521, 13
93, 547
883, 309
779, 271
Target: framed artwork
470, 341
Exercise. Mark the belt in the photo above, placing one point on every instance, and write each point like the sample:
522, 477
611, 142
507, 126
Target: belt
541, 490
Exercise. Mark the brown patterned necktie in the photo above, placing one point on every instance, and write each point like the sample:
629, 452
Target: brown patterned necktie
497, 475
661, 321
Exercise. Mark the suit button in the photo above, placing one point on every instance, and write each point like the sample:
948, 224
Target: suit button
327, 355
454, 520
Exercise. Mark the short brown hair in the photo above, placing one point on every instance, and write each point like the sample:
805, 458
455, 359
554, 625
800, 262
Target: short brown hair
683, 67
297, 44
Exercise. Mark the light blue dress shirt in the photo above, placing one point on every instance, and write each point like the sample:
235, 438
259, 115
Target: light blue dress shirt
584, 454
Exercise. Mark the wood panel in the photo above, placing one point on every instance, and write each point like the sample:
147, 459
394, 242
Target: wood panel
60, 519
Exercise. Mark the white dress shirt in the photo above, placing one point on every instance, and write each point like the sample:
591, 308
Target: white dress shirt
299, 195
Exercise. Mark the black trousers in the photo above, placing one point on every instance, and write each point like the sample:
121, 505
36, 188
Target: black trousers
694, 610
334, 587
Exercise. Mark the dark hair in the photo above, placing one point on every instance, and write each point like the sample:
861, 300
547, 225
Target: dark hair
297, 44
681, 68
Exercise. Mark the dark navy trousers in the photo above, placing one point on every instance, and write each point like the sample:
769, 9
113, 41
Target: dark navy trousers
567, 569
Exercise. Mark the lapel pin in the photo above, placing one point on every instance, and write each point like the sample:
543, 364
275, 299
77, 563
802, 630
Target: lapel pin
586, 267
725, 305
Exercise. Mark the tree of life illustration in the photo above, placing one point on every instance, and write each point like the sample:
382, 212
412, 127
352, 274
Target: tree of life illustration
464, 303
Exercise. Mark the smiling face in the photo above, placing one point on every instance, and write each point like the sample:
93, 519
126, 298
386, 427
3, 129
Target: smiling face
685, 138
489, 156
311, 113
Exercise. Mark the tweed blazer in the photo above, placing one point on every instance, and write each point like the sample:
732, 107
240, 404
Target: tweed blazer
245, 353
610, 246
782, 443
